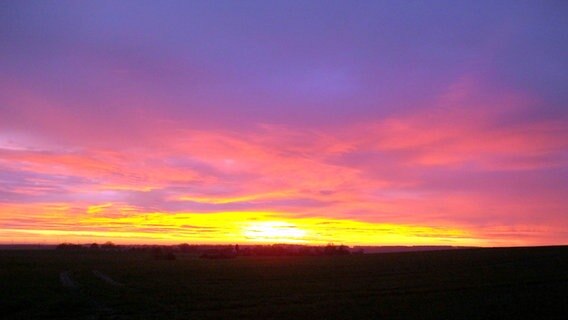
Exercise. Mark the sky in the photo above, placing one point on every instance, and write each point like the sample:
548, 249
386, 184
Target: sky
354, 122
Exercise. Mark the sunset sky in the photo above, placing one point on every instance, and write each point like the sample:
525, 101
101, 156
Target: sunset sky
355, 122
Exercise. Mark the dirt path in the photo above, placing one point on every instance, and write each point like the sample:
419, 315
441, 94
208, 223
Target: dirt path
66, 280
107, 279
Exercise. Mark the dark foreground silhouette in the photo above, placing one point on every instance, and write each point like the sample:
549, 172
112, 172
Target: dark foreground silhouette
503, 283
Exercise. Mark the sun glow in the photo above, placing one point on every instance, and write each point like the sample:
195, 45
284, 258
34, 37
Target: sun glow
274, 231
124, 224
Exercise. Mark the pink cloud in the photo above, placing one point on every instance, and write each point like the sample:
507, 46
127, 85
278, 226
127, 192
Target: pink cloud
454, 163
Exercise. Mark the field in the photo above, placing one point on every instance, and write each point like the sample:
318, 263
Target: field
506, 283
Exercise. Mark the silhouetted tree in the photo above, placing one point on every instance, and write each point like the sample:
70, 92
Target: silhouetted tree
69, 246
184, 247
108, 246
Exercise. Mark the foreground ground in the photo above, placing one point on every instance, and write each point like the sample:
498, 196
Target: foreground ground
521, 283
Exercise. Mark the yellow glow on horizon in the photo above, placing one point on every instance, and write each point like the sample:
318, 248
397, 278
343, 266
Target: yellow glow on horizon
98, 225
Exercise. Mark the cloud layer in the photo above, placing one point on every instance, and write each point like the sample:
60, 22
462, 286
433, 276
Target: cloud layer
374, 123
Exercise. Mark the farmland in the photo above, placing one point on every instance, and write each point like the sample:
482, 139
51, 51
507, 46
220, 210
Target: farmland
500, 283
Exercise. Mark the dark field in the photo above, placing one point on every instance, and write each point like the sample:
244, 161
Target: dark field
520, 283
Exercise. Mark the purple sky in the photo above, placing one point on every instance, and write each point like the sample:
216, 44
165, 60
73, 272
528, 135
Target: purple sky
419, 113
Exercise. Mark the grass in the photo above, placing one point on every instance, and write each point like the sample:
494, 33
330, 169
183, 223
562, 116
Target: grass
507, 283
